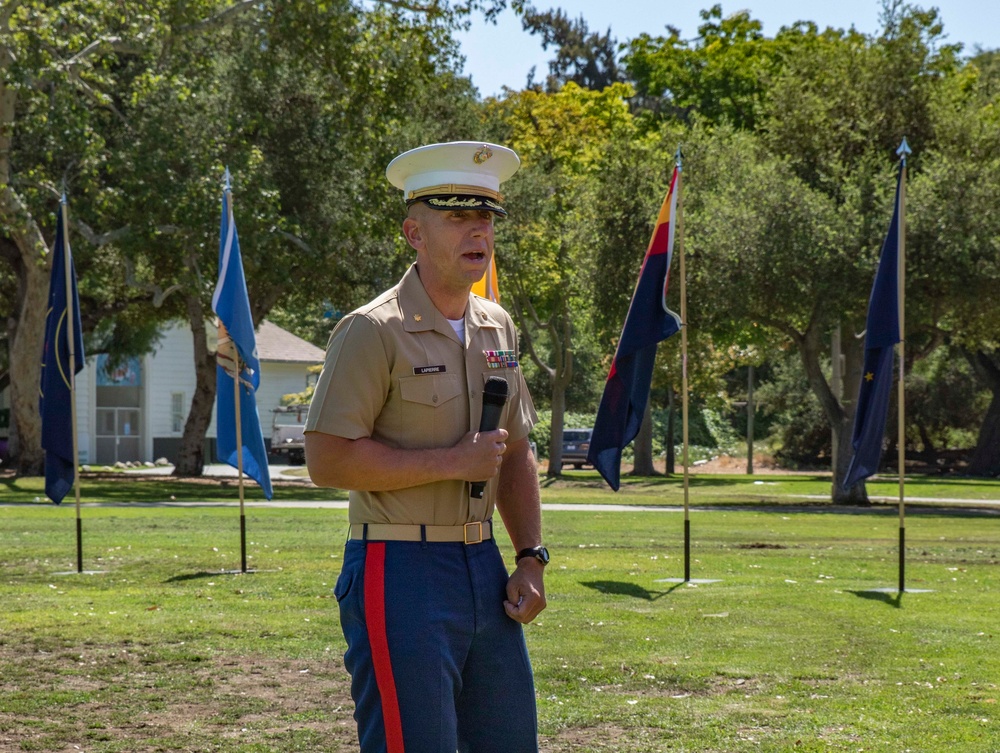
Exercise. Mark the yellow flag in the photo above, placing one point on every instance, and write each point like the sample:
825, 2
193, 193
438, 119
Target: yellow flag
487, 287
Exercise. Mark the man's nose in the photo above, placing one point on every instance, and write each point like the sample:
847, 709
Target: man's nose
483, 225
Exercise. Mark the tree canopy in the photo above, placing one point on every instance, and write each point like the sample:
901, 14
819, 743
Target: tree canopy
136, 111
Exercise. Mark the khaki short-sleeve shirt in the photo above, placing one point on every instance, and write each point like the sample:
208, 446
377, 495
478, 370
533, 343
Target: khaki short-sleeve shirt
396, 372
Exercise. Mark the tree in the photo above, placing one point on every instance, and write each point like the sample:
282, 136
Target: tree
626, 193
956, 239
803, 212
545, 245
57, 65
138, 111
763, 247
306, 120
721, 76
586, 58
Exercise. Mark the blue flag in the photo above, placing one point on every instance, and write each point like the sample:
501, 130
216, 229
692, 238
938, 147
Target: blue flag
56, 404
881, 335
648, 322
237, 358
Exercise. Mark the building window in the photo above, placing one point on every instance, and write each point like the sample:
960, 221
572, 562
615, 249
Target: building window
177, 412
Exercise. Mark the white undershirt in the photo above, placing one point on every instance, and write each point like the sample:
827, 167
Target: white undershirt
459, 326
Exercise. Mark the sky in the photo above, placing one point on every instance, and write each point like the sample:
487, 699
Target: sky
504, 54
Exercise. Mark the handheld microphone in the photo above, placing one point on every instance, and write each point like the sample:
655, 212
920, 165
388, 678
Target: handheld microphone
494, 397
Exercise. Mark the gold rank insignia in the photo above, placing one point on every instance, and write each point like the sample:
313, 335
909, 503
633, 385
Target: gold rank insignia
417, 318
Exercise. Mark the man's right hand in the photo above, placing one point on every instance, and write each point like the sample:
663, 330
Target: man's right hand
479, 454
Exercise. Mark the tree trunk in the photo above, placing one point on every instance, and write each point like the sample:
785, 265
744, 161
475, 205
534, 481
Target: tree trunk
642, 449
560, 334
556, 430
671, 432
986, 457
27, 337
191, 456
857, 494
929, 452
25, 249
838, 413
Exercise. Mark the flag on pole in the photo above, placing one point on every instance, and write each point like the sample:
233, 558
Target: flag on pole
881, 335
648, 322
488, 287
237, 358
56, 388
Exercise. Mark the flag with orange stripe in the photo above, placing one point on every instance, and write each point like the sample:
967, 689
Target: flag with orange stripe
648, 322
488, 287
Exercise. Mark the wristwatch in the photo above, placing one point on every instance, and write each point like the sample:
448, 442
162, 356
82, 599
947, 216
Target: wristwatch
540, 553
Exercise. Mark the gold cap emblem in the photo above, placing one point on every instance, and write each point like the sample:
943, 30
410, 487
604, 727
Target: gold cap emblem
482, 155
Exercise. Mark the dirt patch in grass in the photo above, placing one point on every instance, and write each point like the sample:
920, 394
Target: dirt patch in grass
136, 698
117, 699
598, 737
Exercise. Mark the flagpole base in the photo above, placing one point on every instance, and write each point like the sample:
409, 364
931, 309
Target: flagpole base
82, 572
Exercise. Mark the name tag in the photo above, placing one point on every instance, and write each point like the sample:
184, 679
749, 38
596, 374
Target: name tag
429, 369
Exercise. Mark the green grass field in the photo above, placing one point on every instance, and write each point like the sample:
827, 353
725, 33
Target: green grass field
791, 650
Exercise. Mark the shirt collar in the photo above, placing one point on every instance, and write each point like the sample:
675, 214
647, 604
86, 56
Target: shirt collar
421, 315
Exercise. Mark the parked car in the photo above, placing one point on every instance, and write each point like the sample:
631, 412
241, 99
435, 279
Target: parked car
575, 445
288, 428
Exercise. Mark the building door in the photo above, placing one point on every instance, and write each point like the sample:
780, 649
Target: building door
118, 435
119, 412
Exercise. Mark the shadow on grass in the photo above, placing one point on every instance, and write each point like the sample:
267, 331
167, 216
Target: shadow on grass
620, 588
893, 600
193, 576
592, 477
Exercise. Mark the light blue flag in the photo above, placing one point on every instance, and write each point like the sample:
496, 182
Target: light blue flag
237, 355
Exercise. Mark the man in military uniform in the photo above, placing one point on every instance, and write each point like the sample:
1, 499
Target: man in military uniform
432, 619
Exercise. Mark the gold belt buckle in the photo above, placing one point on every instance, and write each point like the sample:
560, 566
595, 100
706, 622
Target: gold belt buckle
476, 525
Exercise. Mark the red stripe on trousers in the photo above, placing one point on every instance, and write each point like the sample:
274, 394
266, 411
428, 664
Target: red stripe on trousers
375, 618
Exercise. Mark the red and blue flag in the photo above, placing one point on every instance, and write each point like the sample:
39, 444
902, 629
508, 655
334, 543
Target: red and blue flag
647, 323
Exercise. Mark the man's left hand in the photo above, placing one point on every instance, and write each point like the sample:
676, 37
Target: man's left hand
525, 591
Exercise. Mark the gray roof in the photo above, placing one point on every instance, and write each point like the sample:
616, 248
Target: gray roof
278, 345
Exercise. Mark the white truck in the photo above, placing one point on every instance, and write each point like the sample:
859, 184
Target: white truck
288, 433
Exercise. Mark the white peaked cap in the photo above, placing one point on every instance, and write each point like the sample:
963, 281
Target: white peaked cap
454, 174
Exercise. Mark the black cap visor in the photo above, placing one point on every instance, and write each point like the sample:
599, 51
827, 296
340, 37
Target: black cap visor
447, 202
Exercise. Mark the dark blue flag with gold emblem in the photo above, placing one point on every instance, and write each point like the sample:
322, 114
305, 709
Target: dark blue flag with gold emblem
647, 323
56, 400
881, 336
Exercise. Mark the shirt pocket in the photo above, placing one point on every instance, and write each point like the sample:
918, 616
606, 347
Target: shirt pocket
513, 383
432, 409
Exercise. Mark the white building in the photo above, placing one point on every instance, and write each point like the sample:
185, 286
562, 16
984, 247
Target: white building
137, 411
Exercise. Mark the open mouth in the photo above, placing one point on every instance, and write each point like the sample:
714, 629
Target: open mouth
475, 256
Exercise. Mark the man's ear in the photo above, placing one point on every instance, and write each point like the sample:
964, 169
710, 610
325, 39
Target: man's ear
413, 233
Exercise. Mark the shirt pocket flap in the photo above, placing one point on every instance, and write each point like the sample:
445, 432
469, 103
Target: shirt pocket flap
432, 390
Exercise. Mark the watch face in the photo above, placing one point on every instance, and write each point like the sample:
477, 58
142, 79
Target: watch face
540, 553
